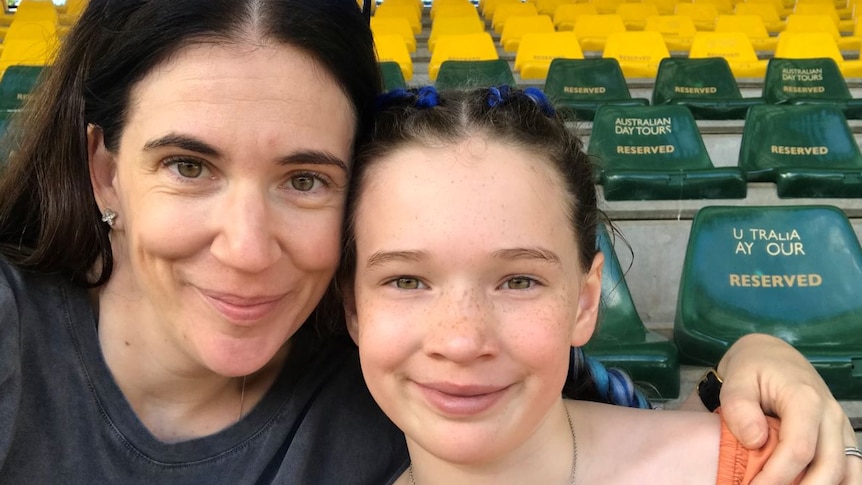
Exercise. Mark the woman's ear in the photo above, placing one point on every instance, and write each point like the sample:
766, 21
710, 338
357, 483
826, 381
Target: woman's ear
349, 298
589, 301
103, 171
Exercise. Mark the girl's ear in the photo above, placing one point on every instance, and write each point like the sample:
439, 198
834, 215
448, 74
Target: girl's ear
589, 302
349, 299
103, 172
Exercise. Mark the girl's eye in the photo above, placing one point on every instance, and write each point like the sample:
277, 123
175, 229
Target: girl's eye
519, 283
304, 182
407, 283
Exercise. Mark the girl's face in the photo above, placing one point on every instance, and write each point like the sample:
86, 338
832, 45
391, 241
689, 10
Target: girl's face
468, 294
229, 182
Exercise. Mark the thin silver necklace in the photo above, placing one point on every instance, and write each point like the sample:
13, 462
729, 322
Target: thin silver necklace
574, 451
241, 399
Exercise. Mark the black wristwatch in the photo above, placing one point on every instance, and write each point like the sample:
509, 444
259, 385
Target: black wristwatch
709, 389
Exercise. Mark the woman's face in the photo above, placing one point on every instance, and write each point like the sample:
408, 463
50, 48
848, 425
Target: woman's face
468, 294
229, 182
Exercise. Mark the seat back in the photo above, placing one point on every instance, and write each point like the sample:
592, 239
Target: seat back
453, 26
676, 30
464, 47
394, 25
392, 76
734, 47
468, 74
766, 11
793, 272
606, 7
811, 79
503, 12
701, 79
811, 23
461, 9
702, 14
16, 84
634, 15
391, 48
806, 45
537, 51
518, 26
639, 53
664, 138
721, 6
786, 136
566, 14
750, 25
549, 7
592, 79
412, 14
817, 8
592, 30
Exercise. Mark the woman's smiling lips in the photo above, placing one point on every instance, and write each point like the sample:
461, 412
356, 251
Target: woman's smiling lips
461, 400
241, 309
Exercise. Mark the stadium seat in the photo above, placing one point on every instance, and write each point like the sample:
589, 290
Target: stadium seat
549, 7
394, 25
567, 14
826, 9
665, 7
488, 7
657, 153
578, 87
820, 23
702, 14
16, 84
391, 48
750, 25
453, 26
464, 47
734, 47
411, 14
807, 45
468, 74
843, 8
809, 81
29, 43
806, 150
766, 11
676, 30
634, 15
793, 272
782, 8
606, 7
503, 12
537, 51
705, 86
517, 26
723, 7
622, 341
462, 9
592, 30
392, 76
639, 53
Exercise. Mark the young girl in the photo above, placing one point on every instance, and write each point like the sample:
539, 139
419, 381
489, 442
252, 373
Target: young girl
471, 270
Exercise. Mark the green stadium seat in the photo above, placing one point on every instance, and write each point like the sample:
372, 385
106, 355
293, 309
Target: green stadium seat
809, 81
467, 74
390, 71
793, 272
706, 86
657, 153
577, 87
806, 150
16, 84
621, 340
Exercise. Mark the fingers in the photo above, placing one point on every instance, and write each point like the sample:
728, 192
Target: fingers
830, 463
741, 408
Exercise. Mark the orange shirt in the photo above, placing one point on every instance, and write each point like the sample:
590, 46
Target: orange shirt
738, 465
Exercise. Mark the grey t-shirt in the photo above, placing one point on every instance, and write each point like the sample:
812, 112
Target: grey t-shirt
63, 419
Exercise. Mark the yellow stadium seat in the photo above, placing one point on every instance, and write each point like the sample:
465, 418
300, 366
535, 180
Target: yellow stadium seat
391, 48
750, 25
639, 53
566, 15
29, 43
606, 7
780, 7
488, 7
677, 30
549, 7
503, 12
820, 23
394, 25
447, 3
454, 10
844, 8
766, 12
665, 7
408, 12
634, 15
538, 50
806, 45
453, 26
827, 9
516, 27
592, 30
733, 47
722, 6
702, 14
464, 47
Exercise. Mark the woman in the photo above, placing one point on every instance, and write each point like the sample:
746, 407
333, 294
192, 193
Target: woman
169, 224
470, 270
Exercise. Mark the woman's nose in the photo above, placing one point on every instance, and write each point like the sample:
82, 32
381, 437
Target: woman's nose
245, 239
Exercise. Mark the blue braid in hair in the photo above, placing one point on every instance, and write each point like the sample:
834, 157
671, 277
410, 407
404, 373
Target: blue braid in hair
422, 98
611, 386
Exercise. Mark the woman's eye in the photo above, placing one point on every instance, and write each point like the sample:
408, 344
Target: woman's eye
406, 283
190, 169
304, 182
519, 283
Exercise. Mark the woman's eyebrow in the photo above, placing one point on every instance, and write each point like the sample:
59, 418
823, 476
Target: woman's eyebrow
313, 157
383, 257
528, 253
184, 142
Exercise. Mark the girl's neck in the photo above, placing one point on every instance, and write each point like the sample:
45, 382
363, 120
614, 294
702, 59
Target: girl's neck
546, 458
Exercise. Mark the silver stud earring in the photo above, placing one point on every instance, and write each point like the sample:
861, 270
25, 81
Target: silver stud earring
108, 217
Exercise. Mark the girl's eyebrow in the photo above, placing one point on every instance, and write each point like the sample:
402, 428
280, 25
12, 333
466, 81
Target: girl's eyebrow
528, 253
383, 257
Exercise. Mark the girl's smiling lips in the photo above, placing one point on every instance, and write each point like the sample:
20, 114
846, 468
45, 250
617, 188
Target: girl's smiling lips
240, 308
459, 400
